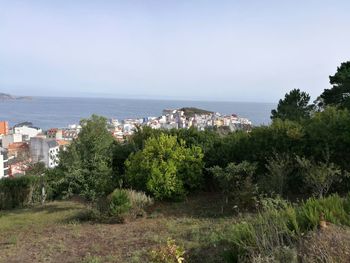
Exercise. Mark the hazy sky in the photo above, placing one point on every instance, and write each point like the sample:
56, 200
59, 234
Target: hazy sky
201, 50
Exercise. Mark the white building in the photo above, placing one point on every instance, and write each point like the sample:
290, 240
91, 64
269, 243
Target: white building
4, 168
44, 150
27, 131
11, 138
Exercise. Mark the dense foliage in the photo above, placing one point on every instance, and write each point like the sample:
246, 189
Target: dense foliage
166, 168
235, 181
302, 155
295, 106
339, 94
19, 191
303, 152
85, 168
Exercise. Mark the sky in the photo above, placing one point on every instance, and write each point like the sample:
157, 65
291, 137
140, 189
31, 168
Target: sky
238, 50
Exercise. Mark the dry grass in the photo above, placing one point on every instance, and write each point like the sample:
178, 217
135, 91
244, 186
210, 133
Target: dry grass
328, 245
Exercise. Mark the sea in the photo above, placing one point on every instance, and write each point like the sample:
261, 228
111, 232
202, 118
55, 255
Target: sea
52, 112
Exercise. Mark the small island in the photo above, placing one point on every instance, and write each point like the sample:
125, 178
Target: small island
191, 111
5, 97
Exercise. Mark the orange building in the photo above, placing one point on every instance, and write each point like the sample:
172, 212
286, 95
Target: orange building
4, 127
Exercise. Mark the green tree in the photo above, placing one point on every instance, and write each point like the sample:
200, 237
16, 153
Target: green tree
165, 167
295, 106
339, 94
85, 167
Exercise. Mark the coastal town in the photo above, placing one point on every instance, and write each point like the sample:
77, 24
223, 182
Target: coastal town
24, 144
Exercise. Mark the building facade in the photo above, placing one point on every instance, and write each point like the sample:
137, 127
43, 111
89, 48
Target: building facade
4, 127
4, 167
11, 138
44, 150
27, 131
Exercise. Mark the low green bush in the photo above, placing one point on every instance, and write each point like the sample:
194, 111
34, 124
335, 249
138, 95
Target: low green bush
118, 202
333, 209
125, 203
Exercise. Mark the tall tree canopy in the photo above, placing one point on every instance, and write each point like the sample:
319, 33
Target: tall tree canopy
85, 167
339, 94
295, 106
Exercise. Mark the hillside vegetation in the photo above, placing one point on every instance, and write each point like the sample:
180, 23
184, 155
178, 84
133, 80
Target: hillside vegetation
279, 193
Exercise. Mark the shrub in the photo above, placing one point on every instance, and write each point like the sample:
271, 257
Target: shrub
279, 168
274, 234
170, 253
319, 176
332, 209
165, 168
124, 203
269, 235
235, 181
19, 191
139, 201
277, 203
118, 202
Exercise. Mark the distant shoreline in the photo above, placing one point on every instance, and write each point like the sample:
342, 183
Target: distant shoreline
9, 97
149, 99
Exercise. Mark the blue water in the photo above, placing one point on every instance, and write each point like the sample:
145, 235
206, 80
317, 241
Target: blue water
60, 112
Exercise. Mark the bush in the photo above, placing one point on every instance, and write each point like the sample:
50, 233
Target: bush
170, 253
236, 184
332, 209
124, 203
19, 191
165, 168
319, 177
139, 201
279, 168
268, 233
118, 203
273, 234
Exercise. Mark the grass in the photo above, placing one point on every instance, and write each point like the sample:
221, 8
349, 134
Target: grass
52, 234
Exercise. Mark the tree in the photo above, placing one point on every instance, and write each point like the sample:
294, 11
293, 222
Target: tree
165, 167
85, 167
295, 106
339, 94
